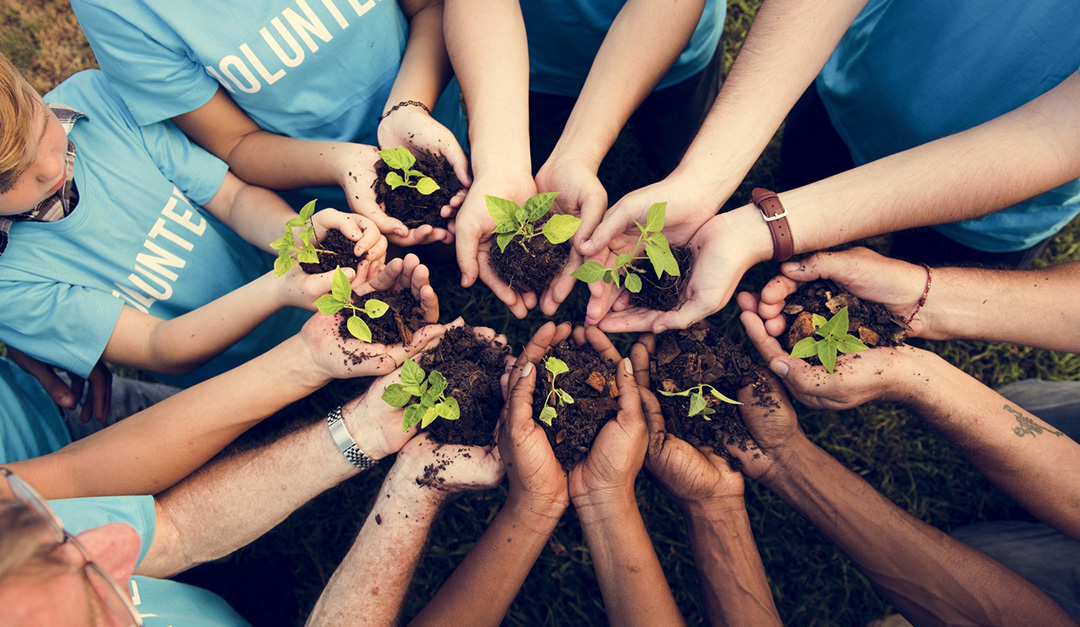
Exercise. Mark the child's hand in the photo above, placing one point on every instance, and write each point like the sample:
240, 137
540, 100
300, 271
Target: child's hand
297, 288
357, 228
415, 129
400, 274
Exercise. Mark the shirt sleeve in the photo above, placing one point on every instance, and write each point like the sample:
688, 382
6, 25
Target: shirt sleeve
78, 515
67, 326
146, 60
194, 171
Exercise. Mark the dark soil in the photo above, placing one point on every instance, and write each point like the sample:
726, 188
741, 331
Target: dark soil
397, 325
410, 206
341, 254
530, 270
702, 354
591, 381
869, 321
472, 369
667, 292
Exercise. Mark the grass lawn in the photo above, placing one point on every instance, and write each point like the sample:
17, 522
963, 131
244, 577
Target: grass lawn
813, 584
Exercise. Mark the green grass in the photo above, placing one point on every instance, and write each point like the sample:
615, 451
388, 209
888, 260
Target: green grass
813, 583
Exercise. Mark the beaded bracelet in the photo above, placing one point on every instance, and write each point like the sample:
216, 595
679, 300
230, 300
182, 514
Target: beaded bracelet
925, 293
405, 103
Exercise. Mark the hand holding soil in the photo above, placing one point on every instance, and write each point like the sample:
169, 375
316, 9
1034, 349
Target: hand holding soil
772, 422
414, 128
444, 469
347, 240
404, 285
417, 187
355, 172
536, 477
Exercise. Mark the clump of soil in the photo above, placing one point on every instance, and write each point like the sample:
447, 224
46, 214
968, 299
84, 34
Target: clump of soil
591, 381
667, 292
702, 354
533, 269
410, 206
340, 254
397, 325
472, 369
869, 321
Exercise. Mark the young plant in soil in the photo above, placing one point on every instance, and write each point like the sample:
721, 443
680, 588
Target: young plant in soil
299, 247
525, 260
556, 396
834, 338
472, 368
870, 322
429, 389
652, 293
589, 380
414, 188
341, 297
685, 364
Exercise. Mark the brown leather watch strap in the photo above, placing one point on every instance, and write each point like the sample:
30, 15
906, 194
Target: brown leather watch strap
776, 217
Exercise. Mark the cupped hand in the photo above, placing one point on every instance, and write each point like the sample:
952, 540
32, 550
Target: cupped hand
580, 194
473, 229
773, 425
858, 378
535, 475
457, 468
356, 228
607, 474
415, 129
404, 273
355, 173
694, 477
864, 273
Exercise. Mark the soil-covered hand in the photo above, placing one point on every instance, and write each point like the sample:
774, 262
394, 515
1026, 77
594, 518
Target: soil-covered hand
403, 273
99, 396
869, 375
580, 194
607, 474
692, 476
415, 129
772, 422
535, 475
473, 229
355, 228
721, 260
896, 284
444, 469
355, 172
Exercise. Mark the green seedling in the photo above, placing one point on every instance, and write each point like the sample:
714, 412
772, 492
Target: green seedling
657, 251
340, 297
556, 396
834, 339
698, 404
430, 389
298, 246
401, 159
512, 220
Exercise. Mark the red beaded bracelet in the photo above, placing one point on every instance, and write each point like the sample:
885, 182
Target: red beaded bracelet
925, 293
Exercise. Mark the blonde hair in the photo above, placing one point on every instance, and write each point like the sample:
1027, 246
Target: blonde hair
21, 548
17, 102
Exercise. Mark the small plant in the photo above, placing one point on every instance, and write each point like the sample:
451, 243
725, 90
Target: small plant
512, 220
401, 159
429, 388
340, 297
834, 339
657, 251
297, 246
698, 404
556, 396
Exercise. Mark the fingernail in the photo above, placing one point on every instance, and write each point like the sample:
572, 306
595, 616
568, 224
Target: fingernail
779, 368
66, 400
626, 366
527, 370
660, 328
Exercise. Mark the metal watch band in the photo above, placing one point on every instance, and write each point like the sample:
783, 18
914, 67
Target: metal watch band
776, 217
345, 442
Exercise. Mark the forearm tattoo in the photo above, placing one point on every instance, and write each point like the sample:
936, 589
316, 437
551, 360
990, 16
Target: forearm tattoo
1029, 426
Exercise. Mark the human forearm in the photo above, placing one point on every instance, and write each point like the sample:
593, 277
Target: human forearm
372, 580
931, 578
641, 45
733, 581
278, 162
487, 46
425, 66
631, 579
498, 564
153, 449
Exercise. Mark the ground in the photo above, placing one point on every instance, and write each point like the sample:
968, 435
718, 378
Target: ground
813, 583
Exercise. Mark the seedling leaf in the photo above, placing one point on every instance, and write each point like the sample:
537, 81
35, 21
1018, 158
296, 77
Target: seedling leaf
282, 264
656, 217
413, 415
375, 308
501, 210
412, 374
328, 305
716, 394
633, 282
437, 382
430, 414
359, 329
547, 414
590, 272
503, 239
697, 404
826, 352
538, 205
395, 395
836, 326
449, 409
564, 396
427, 186
561, 227
339, 287
556, 366
306, 212
398, 158
623, 259
394, 180
850, 344
804, 348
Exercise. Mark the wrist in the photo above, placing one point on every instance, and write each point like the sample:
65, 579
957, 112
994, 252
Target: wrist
401, 489
597, 506
787, 461
537, 513
370, 435
297, 359
755, 243
714, 509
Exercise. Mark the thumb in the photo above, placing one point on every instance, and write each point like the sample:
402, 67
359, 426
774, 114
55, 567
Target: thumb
520, 406
467, 247
615, 221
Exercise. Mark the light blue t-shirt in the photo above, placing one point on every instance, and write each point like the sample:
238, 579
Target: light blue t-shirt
564, 37
911, 71
309, 70
160, 602
137, 237
30, 423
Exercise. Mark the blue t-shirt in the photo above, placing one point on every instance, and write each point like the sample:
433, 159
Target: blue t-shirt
30, 423
137, 237
909, 72
309, 70
160, 602
565, 36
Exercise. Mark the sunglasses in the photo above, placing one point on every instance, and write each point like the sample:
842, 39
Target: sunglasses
116, 599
